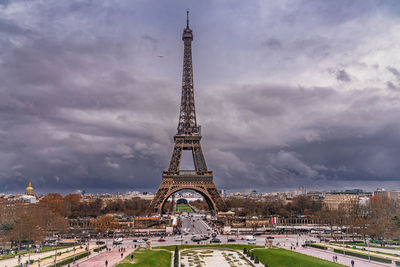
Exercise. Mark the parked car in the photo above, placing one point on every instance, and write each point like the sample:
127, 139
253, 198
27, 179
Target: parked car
161, 240
116, 243
99, 242
215, 240
178, 238
231, 240
251, 242
140, 241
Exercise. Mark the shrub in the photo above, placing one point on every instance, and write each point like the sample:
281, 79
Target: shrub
316, 246
252, 256
99, 248
71, 259
256, 260
176, 257
244, 251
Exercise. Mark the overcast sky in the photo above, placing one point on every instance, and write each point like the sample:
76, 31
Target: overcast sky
288, 93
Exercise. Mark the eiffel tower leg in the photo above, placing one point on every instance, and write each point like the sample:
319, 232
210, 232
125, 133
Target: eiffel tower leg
198, 158
176, 156
159, 197
215, 195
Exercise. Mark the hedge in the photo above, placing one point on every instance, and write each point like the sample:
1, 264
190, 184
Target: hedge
363, 256
99, 248
176, 257
397, 263
316, 246
71, 259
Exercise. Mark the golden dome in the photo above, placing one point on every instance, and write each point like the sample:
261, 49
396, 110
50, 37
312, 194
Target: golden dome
29, 190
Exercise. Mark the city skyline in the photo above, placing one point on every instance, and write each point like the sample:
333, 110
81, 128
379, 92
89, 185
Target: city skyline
288, 94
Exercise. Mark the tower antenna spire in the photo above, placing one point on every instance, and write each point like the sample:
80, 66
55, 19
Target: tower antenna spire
187, 18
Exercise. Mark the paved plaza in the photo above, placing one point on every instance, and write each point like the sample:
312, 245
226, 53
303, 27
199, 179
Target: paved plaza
113, 258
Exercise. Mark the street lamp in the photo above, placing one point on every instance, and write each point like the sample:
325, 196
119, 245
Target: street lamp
344, 247
55, 256
369, 259
74, 254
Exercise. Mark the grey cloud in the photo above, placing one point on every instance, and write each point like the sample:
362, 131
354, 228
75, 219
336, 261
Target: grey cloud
391, 86
272, 43
342, 75
86, 103
395, 72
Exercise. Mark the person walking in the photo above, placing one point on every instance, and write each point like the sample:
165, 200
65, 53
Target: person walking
106, 263
352, 263
122, 254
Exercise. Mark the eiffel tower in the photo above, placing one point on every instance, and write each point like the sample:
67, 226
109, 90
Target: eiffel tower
187, 138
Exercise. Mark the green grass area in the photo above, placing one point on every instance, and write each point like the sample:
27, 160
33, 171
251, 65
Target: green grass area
285, 258
230, 246
147, 258
184, 207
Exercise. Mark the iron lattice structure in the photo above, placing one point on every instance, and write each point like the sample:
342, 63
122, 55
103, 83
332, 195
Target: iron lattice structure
187, 138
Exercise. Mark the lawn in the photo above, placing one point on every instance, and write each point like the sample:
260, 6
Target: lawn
184, 207
147, 258
230, 246
285, 258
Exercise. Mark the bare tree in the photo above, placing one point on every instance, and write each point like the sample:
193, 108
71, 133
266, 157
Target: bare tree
104, 224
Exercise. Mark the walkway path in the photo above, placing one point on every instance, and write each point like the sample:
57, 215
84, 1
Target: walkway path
372, 253
14, 261
50, 261
345, 260
113, 258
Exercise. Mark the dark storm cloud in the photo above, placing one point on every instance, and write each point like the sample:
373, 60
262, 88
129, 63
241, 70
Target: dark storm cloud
343, 76
272, 43
90, 90
395, 72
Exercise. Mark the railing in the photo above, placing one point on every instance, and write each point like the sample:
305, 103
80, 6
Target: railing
187, 172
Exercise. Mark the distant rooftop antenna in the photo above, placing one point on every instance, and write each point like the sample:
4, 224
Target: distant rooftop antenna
187, 18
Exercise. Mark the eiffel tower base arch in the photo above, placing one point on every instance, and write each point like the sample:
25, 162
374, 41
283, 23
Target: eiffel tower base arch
206, 189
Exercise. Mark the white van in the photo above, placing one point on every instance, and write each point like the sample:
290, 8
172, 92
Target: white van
250, 238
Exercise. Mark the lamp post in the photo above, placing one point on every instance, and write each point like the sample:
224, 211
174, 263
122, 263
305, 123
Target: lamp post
55, 258
369, 259
344, 247
74, 254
